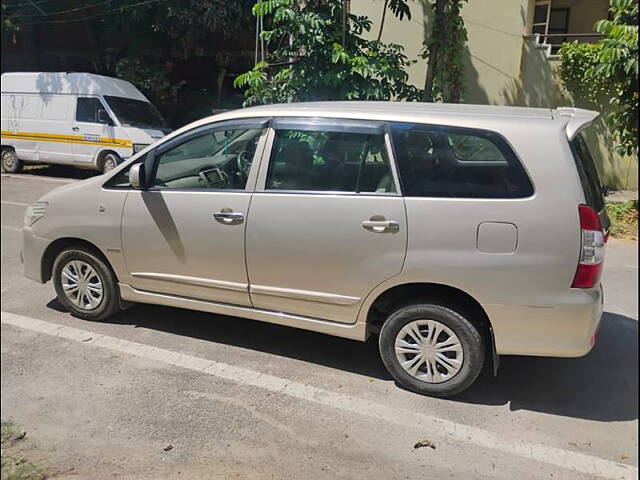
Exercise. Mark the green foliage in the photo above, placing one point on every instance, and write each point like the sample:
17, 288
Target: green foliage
624, 218
16, 467
446, 43
307, 60
608, 70
399, 8
150, 77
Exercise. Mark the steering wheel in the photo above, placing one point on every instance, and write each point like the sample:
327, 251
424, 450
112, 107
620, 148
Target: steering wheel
244, 162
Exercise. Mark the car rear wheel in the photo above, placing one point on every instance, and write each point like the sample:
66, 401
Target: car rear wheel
85, 284
10, 161
431, 349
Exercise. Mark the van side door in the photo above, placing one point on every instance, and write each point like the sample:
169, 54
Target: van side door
54, 141
327, 223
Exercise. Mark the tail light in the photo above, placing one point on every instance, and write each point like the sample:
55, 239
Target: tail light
592, 252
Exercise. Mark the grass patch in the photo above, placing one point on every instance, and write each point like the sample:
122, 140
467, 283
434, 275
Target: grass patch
15, 467
624, 219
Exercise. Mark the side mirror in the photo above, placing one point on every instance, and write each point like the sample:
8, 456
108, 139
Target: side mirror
137, 177
103, 117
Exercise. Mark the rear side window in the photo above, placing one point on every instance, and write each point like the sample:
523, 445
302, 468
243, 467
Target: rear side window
436, 161
336, 161
87, 109
588, 173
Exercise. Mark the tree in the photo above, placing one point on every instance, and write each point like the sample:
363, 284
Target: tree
606, 72
314, 56
444, 78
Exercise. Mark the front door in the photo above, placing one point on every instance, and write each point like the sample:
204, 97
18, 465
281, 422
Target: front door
91, 132
326, 224
185, 235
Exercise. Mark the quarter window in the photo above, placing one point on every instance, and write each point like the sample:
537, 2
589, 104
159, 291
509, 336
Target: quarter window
436, 161
218, 160
329, 161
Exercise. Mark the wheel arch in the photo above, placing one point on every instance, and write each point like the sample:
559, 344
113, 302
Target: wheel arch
403, 294
55, 247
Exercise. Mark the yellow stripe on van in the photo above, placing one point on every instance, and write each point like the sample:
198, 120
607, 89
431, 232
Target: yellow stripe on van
77, 139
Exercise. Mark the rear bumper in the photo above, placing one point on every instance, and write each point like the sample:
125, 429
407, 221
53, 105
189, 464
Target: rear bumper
565, 330
33, 248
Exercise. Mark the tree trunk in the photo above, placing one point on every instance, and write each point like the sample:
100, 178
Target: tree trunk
434, 52
346, 9
384, 14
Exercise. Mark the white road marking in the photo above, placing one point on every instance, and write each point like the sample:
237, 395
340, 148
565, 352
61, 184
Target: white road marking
12, 228
455, 432
38, 177
14, 204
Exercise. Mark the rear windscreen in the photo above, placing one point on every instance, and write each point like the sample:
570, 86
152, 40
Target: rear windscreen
589, 177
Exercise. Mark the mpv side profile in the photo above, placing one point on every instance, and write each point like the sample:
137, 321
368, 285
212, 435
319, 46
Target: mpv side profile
455, 233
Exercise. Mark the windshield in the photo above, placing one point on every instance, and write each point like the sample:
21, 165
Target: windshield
136, 113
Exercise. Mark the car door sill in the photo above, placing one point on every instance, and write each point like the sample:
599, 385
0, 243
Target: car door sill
355, 331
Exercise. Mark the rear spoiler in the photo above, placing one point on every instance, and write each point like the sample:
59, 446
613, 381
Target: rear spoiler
579, 119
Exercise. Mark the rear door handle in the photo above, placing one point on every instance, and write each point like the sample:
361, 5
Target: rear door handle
76, 129
229, 217
381, 226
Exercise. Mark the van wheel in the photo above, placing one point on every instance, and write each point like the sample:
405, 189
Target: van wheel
431, 349
111, 161
85, 284
10, 162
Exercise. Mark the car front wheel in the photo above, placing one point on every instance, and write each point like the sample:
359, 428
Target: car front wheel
431, 349
85, 284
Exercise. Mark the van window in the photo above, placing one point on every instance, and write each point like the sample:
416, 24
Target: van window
436, 161
20, 106
87, 109
136, 113
329, 161
588, 173
54, 107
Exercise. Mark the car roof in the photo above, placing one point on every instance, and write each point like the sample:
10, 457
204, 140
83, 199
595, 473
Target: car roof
389, 110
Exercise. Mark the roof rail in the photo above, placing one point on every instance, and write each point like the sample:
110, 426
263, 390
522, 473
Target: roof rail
579, 119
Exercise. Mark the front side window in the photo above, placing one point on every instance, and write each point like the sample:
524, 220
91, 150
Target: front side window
329, 161
436, 161
136, 113
87, 109
213, 160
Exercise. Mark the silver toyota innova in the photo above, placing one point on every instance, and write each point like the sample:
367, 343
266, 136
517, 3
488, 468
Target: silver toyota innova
456, 233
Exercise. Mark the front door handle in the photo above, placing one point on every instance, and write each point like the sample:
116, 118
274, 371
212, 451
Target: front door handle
76, 129
380, 225
229, 217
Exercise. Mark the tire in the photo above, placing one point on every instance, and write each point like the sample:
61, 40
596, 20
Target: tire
10, 161
88, 307
464, 365
110, 161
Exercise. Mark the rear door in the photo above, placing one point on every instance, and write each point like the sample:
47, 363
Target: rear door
326, 223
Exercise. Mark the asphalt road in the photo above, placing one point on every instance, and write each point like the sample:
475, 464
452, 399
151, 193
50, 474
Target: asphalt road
241, 399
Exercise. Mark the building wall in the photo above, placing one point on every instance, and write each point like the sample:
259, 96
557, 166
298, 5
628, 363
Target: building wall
503, 66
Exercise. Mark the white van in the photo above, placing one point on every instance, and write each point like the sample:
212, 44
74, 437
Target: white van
80, 119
